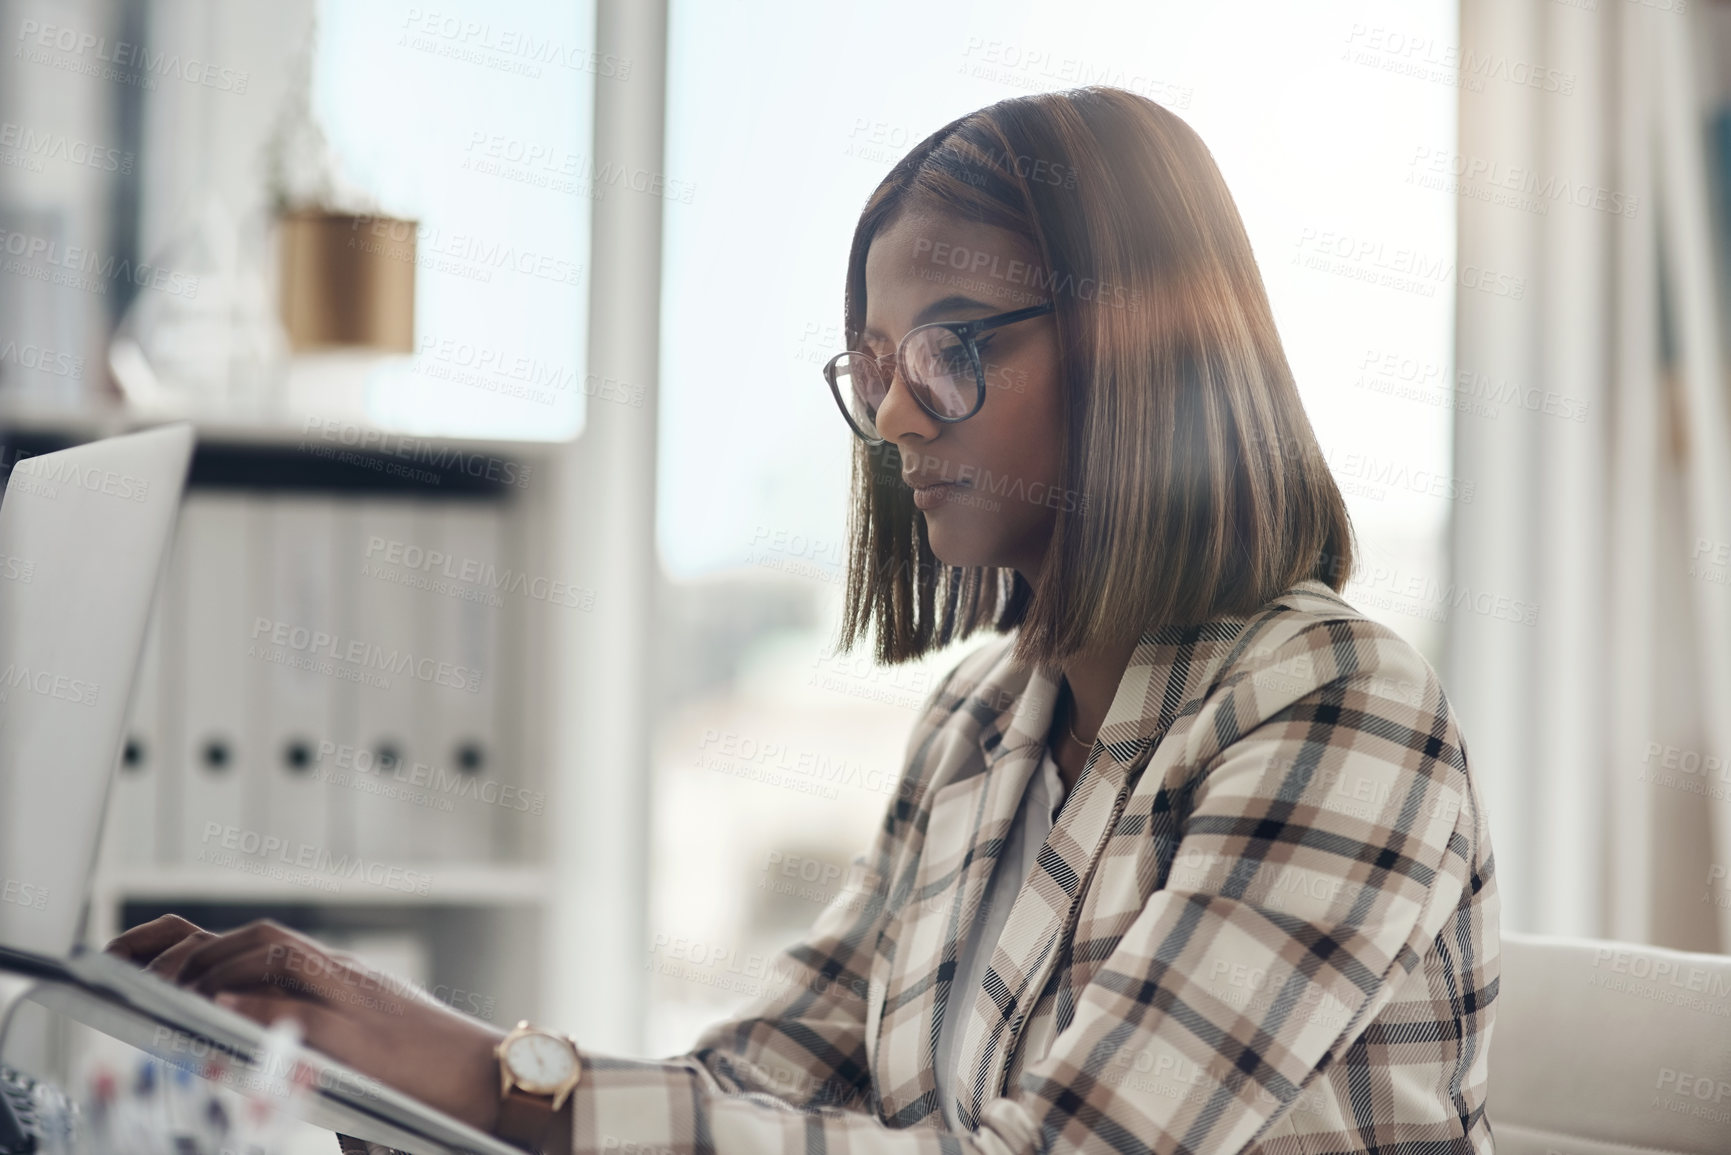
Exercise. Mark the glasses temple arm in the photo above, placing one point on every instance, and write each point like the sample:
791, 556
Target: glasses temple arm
968, 330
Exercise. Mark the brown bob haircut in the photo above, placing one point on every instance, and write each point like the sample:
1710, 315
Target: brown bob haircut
1202, 488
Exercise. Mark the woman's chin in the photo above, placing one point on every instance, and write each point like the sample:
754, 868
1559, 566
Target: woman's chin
953, 545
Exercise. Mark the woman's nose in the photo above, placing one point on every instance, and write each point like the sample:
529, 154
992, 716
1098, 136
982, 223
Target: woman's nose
900, 415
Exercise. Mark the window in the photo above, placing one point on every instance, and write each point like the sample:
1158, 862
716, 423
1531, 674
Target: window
475, 123
774, 761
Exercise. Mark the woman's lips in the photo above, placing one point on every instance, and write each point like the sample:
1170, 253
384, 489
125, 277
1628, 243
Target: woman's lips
932, 496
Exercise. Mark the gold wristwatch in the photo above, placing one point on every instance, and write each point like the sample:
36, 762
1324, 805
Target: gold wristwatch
537, 1072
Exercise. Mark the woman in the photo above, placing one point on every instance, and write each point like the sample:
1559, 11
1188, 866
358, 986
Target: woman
1190, 859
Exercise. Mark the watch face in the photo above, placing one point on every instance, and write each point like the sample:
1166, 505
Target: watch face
539, 1063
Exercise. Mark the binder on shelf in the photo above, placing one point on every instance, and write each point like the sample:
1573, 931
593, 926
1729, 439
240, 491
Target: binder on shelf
216, 659
460, 709
370, 765
297, 682
133, 827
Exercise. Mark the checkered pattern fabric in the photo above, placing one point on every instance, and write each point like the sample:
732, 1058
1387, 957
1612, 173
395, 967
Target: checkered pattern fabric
1265, 921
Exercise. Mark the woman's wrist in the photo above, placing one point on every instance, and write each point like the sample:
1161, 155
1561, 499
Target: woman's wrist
490, 1115
481, 1111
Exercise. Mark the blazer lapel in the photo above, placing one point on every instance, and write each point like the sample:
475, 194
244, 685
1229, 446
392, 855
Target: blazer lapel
1167, 674
1027, 950
968, 822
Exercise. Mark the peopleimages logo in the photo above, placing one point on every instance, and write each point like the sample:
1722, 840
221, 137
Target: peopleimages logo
980, 262
475, 572
482, 254
487, 367
34, 35
366, 655
436, 779
29, 142
31, 356
43, 258
479, 42
47, 684
420, 450
64, 471
1514, 185
318, 861
23, 894
1371, 260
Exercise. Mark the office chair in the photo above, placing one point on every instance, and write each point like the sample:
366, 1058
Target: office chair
1610, 1048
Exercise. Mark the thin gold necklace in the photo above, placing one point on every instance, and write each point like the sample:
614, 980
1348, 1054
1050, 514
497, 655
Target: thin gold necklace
1070, 723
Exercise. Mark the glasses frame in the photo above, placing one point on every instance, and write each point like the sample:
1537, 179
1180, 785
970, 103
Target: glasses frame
965, 331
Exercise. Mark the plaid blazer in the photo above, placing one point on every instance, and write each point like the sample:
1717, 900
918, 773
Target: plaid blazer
1265, 921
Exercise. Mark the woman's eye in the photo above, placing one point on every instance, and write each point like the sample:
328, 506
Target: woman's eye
982, 346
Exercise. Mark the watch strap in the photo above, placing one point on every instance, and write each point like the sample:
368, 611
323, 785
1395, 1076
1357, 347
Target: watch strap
524, 1119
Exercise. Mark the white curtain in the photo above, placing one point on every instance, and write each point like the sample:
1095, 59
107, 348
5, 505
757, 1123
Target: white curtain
1592, 419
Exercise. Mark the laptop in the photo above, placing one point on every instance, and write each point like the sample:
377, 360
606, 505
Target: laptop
83, 533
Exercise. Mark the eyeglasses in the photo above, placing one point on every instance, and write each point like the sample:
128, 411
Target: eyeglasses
939, 361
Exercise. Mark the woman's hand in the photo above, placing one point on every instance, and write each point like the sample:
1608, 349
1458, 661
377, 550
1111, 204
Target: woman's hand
363, 1018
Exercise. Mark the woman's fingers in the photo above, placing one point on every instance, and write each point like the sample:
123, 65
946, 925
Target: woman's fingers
168, 963
382, 1027
314, 977
261, 954
253, 971
146, 941
278, 943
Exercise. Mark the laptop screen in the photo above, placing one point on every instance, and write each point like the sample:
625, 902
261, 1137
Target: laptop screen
82, 535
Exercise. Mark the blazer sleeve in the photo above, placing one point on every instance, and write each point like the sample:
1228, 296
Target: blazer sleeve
801, 1043
802, 1040
1168, 998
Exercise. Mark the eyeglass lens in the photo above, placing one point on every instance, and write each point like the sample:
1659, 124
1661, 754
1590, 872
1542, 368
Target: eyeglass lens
939, 372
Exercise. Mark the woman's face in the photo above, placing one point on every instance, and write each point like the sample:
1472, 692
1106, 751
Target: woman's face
1003, 462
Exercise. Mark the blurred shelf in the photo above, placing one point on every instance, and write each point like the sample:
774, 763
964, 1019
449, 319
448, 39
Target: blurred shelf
363, 397
271, 450
280, 428
449, 884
